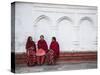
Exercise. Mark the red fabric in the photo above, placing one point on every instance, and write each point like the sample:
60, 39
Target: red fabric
30, 44
42, 45
31, 52
40, 52
50, 57
31, 57
40, 60
55, 47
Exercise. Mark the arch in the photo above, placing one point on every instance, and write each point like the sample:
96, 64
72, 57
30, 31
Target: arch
86, 18
87, 33
64, 28
40, 18
64, 18
42, 27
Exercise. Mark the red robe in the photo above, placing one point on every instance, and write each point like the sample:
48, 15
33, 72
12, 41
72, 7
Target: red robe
55, 47
42, 44
30, 44
31, 51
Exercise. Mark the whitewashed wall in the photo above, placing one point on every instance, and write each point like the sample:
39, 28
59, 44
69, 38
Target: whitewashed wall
75, 27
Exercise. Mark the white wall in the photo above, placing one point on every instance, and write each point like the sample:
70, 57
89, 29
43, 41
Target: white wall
75, 27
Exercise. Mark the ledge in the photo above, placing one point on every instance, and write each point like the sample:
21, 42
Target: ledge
20, 58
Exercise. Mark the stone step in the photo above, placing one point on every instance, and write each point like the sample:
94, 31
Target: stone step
64, 57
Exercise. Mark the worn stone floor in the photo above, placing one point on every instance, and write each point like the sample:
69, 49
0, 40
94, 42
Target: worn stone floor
57, 67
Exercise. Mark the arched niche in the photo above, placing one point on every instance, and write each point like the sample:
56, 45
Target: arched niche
86, 18
65, 33
87, 34
42, 27
64, 18
40, 18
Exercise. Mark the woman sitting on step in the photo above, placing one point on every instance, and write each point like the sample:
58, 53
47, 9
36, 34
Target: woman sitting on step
53, 54
31, 51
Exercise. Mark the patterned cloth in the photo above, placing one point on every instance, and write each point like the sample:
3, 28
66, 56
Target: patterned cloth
50, 57
31, 57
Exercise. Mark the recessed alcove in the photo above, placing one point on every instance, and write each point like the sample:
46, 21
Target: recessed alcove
42, 27
87, 33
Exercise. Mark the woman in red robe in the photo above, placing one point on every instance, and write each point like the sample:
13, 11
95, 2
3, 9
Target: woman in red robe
31, 50
42, 45
55, 47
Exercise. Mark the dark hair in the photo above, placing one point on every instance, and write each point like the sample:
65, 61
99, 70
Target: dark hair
42, 36
54, 38
29, 38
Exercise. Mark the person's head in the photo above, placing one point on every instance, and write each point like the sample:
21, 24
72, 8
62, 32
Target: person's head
29, 38
41, 37
53, 38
